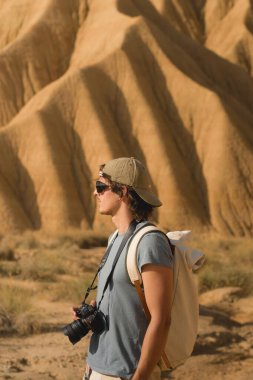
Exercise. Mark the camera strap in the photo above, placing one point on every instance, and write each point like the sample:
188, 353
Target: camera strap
127, 235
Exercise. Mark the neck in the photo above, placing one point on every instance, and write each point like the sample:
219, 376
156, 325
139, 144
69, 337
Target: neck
122, 224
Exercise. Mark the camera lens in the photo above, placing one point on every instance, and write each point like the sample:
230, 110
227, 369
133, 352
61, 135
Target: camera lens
75, 331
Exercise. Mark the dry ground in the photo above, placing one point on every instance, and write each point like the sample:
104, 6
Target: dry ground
221, 353
33, 347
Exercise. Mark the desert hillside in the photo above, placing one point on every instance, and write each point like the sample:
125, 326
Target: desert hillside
167, 81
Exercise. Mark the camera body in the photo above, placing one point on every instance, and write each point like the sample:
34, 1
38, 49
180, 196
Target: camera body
89, 318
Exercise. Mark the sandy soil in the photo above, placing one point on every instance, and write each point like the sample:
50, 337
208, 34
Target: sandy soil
224, 350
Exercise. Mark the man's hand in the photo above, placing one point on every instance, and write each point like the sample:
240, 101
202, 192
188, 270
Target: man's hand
75, 308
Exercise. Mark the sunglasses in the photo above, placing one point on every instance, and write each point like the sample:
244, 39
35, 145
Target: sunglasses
101, 187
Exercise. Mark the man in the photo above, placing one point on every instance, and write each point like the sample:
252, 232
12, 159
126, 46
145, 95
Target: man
130, 347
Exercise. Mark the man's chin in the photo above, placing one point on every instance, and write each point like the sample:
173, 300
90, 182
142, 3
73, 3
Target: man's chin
104, 212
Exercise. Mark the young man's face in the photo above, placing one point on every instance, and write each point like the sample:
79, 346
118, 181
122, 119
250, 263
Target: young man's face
108, 201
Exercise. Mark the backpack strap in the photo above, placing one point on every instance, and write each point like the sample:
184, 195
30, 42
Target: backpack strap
132, 259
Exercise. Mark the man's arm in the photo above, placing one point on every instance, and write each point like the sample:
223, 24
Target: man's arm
158, 282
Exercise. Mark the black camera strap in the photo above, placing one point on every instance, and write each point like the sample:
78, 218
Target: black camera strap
102, 263
127, 235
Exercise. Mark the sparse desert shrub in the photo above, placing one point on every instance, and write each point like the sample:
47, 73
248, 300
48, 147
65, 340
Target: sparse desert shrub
17, 314
82, 239
12, 245
218, 278
9, 268
7, 249
29, 240
44, 265
92, 240
6, 253
228, 263
73, 290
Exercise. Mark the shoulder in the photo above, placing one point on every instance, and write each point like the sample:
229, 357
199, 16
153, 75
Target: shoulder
154, 248
155, 238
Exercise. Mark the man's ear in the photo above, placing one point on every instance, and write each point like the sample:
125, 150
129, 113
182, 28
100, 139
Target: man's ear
124, 190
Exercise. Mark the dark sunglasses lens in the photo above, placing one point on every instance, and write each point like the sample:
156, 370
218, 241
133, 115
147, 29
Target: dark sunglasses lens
100, 187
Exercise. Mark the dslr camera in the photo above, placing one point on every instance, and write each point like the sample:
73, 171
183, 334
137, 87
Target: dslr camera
89, 318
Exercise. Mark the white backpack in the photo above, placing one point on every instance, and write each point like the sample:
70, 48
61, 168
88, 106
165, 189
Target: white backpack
185, 306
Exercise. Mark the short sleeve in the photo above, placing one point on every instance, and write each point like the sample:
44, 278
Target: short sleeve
154, 248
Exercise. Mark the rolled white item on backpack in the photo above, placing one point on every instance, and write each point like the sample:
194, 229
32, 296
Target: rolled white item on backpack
193, 257
176, 237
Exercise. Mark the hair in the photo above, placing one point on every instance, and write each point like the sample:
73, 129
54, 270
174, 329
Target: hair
140, 209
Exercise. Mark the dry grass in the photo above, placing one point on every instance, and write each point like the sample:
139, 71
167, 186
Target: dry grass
73, 290
40, 240
228, 263
43, 257
17, 312
63, 269
60, 266
43, 265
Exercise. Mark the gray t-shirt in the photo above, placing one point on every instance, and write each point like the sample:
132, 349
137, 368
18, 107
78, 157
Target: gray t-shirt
117, 350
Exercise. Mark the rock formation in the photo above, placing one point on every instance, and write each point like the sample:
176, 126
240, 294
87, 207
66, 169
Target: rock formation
169, 82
